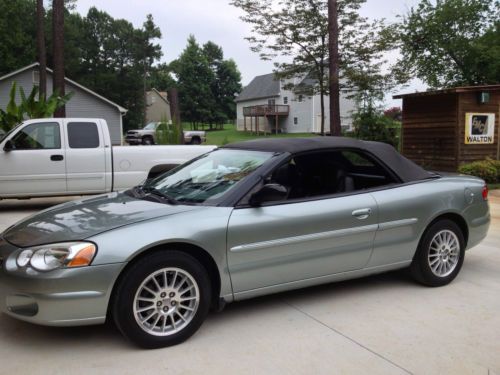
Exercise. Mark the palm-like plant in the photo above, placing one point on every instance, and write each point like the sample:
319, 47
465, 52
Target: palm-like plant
31, 106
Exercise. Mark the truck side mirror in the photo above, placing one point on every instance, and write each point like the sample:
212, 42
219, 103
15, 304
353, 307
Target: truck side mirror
8, 146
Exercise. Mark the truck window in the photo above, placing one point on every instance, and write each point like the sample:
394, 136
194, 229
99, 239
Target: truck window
38, 136
83, 135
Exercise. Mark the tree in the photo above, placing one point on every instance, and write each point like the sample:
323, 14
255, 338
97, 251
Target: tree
40, 46
17, 27
297, 31
451, 43
194, 80
334, 67
225, 85
58, 82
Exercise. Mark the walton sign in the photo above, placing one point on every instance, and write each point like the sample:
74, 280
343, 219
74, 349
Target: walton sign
479, 128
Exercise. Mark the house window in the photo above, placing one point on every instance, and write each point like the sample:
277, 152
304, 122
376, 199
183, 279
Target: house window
36, 77
285, 100
295, 121
300, 98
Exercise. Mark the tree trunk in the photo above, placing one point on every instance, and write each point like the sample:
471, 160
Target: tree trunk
322, 103
40, 48
333, 47
175, 113
58, 53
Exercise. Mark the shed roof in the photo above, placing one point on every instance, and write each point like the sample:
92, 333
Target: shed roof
406, 169
451, 90
83, 88
264, 86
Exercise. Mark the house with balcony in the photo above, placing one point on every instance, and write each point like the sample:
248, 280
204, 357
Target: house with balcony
266, 105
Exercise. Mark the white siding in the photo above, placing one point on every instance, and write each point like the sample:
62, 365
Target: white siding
82, 104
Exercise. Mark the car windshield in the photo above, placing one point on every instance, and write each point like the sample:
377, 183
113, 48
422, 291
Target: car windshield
208, 177
3, 136
150, 126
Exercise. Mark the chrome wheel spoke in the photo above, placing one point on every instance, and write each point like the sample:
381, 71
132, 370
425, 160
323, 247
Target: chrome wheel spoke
171, 307
443, 253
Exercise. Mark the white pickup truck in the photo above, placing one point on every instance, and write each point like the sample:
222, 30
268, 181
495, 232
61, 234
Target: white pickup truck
73, 156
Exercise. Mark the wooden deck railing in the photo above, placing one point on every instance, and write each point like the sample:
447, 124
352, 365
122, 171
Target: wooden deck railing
266, 110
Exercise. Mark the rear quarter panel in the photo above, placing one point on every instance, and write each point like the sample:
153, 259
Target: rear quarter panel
131, 165
406, 211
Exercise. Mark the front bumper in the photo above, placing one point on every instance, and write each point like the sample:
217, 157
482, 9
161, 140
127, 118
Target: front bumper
132, 140
64, 297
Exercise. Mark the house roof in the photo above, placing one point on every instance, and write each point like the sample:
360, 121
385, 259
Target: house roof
452, 90
264, 86
404, 168
83, 88
161, 94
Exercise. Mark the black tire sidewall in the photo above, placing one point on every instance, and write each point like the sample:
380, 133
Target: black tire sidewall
124, 297
421, 267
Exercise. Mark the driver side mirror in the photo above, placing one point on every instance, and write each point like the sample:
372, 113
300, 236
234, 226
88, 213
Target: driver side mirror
268, 193
8, 146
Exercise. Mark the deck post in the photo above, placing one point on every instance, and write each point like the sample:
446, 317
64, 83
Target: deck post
244, 123
276, 121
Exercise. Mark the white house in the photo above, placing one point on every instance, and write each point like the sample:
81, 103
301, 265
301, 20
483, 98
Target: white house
267, 106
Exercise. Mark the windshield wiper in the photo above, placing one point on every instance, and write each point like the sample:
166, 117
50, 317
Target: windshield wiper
160, 194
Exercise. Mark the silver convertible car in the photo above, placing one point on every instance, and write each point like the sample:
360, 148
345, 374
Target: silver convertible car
247, 219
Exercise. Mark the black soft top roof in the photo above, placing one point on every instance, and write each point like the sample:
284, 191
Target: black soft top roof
407, 170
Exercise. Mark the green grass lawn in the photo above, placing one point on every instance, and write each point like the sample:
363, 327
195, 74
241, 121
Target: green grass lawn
493, 186
230, 135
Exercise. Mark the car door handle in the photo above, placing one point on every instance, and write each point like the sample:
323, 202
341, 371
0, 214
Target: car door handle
362, 213
56, 157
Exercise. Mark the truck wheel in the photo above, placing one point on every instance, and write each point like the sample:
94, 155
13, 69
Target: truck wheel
195, 141
440, 255
162, 299
148, 141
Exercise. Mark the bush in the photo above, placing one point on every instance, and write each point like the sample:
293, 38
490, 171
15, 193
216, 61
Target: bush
370, 124
488, 170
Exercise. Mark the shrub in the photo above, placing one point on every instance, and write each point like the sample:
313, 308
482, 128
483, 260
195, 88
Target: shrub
488, 170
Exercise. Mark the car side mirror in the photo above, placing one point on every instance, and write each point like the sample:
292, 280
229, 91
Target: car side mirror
268, 193
8, 146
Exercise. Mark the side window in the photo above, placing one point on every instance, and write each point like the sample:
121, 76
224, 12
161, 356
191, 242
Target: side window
330, 172
39, 136
83, 135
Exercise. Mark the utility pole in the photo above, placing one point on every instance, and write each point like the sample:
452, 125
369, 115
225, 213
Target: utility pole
58, 52
40, 48
333, 47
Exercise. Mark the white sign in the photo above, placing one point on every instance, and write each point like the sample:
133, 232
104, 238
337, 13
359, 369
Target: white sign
479, 128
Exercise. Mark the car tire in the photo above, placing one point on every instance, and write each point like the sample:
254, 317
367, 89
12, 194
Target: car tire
162, 299
440, 254
195, 141
148, 141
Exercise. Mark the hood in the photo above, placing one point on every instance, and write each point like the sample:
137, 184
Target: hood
81, 219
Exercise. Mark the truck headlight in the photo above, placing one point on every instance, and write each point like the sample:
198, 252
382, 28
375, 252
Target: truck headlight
60, 255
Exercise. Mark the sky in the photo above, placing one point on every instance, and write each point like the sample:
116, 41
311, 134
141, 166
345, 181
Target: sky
218, 21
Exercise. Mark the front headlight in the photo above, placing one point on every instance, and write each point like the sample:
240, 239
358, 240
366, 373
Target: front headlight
51, 257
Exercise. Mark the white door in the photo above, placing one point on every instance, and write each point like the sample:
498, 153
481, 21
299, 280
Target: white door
85, 157
32, 161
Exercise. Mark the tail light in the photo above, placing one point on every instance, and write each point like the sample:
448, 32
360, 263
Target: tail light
485, 192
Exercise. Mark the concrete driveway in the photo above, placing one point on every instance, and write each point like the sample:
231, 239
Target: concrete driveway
377, 325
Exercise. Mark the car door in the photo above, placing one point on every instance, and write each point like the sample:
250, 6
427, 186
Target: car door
300, 239
85, 157
35, 163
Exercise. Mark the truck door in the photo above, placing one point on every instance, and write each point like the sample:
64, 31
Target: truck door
85, 157
32, 161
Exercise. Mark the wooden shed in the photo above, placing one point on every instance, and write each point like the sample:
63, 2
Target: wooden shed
443, 129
